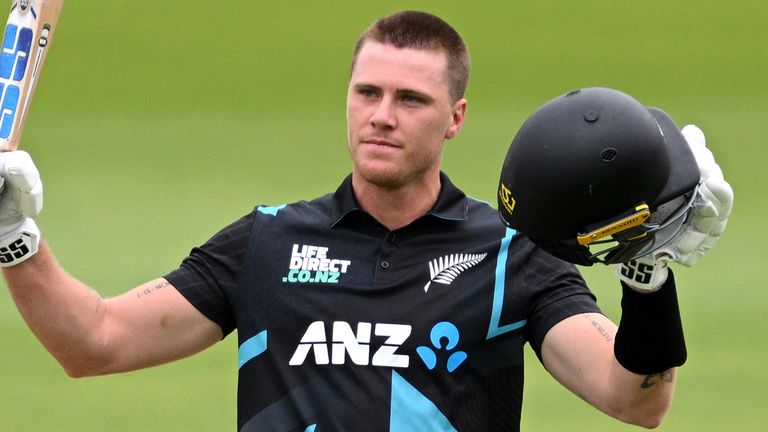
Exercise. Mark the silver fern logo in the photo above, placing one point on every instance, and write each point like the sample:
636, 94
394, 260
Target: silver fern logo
445, 269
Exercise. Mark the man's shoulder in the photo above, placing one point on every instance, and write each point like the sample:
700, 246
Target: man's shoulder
479, 205
302, 210
479, 211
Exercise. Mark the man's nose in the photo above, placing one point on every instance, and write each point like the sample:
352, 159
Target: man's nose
384, 115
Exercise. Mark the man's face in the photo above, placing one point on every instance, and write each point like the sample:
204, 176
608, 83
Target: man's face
399, 112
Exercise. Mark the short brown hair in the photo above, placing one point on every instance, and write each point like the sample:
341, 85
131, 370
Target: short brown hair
420, 30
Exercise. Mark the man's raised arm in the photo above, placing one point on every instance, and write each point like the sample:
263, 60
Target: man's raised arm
87, 334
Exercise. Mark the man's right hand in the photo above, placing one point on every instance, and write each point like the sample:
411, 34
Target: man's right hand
21, 199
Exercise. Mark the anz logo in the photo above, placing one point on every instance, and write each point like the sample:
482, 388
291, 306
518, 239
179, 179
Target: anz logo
357, 346
346, 344
444, 336
17, 44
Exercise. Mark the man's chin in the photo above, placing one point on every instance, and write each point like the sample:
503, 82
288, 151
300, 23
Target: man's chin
385, 181
383, 177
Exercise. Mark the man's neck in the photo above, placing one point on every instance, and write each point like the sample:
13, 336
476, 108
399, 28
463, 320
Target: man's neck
396, 207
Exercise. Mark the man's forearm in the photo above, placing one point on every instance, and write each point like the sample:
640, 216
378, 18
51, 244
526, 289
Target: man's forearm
60, 310
642, 399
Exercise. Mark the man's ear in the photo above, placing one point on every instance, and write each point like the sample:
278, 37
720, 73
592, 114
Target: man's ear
457, 118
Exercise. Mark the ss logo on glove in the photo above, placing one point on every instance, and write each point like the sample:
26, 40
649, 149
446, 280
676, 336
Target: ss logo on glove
15, 250
638, 272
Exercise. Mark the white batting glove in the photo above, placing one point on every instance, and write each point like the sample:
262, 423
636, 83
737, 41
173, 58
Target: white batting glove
711, 208
21, 199
706, 222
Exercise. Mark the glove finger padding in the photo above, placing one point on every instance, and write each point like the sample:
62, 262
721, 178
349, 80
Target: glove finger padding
720, 194
21, 199
711, 209
698, 145
31, 202
707, 222
22, 188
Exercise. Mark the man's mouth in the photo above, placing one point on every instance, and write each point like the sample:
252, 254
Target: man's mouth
379, 142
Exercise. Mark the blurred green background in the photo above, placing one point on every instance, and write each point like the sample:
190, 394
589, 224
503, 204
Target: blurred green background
157, 123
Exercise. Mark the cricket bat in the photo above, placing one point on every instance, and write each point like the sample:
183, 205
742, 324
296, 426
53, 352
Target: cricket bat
26, 40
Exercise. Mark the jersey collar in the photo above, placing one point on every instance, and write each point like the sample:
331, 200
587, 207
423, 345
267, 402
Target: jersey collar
451, 203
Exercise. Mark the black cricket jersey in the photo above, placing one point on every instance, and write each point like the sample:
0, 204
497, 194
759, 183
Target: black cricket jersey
344, 325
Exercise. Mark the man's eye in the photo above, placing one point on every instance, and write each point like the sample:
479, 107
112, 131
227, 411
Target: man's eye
368, 93
411, 99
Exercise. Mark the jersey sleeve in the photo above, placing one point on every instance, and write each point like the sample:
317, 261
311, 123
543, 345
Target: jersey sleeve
212, 270
556, 291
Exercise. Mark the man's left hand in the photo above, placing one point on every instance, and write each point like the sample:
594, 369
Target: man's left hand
706, 222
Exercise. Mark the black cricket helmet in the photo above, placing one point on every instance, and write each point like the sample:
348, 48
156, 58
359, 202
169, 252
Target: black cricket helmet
595, 176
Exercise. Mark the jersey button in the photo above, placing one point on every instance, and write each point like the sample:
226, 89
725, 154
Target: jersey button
384, 264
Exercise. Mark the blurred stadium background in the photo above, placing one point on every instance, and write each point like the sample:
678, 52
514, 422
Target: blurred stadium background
157, 123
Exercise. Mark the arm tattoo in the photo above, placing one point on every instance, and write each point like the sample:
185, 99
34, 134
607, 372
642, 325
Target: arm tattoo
603, 332
651, 380
149, 290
